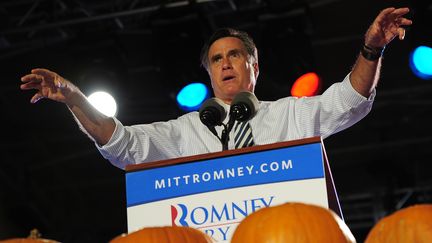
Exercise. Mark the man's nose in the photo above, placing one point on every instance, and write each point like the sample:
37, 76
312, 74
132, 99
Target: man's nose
226, 64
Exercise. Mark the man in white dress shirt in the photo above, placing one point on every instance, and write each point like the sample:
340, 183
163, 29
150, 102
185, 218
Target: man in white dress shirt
231, 59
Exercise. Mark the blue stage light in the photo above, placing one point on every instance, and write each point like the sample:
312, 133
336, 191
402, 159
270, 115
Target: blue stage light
421, 62
191, 96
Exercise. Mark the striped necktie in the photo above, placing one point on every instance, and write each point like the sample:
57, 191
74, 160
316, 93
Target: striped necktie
243, 135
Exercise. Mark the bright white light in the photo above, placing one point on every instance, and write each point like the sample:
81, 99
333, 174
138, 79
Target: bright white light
104, 103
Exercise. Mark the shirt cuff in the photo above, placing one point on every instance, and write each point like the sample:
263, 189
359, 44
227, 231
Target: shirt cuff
112, 147
351, 96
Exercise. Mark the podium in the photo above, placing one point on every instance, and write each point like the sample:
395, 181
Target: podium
214, 192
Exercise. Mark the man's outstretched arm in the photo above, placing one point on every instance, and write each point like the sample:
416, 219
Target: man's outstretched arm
52, 86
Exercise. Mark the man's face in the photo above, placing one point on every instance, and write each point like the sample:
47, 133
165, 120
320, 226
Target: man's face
230, 68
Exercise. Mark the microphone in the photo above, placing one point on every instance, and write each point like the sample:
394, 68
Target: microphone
212, 112
243, 107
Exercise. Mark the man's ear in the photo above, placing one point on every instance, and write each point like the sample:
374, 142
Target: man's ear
256, 69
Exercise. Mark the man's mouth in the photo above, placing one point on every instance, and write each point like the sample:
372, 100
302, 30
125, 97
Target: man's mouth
228, 78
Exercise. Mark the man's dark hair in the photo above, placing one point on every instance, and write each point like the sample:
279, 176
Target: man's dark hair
228, 32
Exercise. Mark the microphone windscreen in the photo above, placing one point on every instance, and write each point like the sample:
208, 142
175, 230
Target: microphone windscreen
247, 103
212, 112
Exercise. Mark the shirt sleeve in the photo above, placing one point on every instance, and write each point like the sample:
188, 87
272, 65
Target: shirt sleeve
142, 143
338, 108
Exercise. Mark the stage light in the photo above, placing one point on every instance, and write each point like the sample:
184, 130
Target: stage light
191, 96
308, 84
104, 103
421, 62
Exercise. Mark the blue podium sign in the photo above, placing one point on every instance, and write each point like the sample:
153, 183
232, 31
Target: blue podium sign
214, 193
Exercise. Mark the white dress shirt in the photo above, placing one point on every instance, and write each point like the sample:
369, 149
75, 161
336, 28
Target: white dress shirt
339, 107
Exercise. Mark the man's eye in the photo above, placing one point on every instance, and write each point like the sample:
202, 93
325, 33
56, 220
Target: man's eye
217, 59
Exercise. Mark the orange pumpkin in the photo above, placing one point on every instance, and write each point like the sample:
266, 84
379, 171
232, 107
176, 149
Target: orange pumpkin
34, 237
25, 240
166, 234
293, 223
408, 225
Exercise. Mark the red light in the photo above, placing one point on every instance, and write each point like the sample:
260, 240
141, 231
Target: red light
308, 84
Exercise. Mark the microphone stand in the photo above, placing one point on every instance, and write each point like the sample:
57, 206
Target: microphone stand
224, 138
225, 132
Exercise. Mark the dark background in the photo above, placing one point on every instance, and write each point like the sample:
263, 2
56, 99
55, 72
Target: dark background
52, 177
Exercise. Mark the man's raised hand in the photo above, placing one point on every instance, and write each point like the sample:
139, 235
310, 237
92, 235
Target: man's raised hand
387, 25
48, 85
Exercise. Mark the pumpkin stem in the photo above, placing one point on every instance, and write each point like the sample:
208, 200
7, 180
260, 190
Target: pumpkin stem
34, 234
